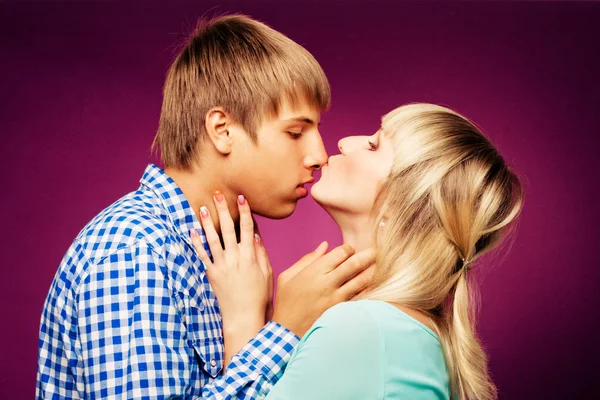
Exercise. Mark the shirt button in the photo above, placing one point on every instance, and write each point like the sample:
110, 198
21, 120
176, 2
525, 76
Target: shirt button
213, 363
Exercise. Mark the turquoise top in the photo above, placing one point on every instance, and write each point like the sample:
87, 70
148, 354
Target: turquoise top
365, 350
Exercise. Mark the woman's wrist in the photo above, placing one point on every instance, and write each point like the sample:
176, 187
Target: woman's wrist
238, 332
243, 325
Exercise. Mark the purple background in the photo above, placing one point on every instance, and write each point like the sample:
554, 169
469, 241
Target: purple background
81, 94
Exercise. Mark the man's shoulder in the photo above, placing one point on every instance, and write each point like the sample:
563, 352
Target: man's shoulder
137, 216
134, 219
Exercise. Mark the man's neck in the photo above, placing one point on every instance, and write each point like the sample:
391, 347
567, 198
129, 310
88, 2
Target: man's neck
198, 186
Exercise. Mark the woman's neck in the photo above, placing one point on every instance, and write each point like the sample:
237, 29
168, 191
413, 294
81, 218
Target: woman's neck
356, 230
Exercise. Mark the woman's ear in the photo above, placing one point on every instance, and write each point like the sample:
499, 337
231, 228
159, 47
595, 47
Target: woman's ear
217, 124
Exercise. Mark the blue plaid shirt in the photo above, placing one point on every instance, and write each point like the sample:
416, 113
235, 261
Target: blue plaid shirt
130, 313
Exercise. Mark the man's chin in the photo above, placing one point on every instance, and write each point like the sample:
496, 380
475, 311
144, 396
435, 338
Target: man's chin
278, 212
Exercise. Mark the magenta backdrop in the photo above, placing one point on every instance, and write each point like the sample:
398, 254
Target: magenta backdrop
81, 94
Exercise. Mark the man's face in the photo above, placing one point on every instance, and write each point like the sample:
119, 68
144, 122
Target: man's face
272, 173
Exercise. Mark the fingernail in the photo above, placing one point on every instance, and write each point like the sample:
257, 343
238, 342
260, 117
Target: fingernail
219, 196
320, 247
241, 199
257, 238
194, 233
204, 212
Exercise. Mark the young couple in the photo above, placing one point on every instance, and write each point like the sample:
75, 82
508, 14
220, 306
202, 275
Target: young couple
167, 293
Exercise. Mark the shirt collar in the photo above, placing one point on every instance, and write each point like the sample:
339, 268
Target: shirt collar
178, 208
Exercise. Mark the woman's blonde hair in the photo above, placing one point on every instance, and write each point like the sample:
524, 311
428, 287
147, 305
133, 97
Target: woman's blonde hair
449, 199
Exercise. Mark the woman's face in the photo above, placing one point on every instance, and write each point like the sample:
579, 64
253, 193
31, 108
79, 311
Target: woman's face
351, 180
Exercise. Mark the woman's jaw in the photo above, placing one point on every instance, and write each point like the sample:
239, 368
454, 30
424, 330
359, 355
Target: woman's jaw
356, 227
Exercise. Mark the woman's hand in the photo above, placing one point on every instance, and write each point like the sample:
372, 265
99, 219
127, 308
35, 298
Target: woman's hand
240, 274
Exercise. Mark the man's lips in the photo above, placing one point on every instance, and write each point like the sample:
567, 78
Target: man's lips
301, 191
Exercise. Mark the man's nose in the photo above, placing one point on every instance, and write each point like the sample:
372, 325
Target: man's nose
318, 155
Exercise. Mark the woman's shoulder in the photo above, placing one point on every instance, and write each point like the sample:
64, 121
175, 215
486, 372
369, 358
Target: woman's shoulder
344, 315
345, 324
371, 321
369, 317
358, 319
356, 312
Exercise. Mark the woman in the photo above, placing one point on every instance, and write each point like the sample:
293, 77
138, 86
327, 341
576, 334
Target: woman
431, 194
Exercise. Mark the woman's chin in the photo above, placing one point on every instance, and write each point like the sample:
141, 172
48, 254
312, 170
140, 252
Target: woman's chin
316, 192
320, 195
326, 197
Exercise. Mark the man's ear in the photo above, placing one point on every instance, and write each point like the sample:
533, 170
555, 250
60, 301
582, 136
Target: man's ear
217, 125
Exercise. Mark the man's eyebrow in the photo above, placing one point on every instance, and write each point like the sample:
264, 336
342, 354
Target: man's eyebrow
305, 120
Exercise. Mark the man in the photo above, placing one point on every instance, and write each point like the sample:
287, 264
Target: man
130, 313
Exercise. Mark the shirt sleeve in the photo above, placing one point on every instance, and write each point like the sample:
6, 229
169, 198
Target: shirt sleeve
339, 358
257, 367
58, 354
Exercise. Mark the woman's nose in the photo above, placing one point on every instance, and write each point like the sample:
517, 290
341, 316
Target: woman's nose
341, 144
348, 144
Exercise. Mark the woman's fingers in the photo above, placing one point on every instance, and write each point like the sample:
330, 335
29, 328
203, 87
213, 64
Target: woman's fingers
199, 246
265, 265
245, 248
305, 261
262, 257
246, 229
356, 273
359, 284
211, 235
225, 221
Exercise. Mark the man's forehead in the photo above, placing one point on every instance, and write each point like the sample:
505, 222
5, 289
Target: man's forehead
300, 111
304, 119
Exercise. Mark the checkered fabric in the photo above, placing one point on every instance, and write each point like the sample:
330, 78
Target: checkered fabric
130, 313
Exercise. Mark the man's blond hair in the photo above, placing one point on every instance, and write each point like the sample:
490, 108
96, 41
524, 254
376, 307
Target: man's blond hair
241, 65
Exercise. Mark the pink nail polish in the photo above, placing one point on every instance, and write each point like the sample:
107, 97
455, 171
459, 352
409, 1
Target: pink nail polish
204, 212
194, 233
219, 196
241, 199
257, 238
